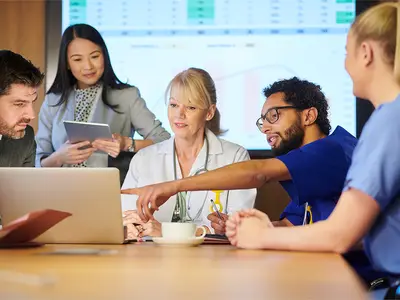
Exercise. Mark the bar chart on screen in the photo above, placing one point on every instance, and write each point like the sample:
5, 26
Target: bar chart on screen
245, 46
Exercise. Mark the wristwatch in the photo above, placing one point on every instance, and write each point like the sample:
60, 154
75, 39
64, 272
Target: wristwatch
132, 146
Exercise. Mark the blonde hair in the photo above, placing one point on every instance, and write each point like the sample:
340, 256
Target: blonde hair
381, 23
198, 90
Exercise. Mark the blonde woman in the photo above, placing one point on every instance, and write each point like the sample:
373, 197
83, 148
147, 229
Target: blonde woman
194, 149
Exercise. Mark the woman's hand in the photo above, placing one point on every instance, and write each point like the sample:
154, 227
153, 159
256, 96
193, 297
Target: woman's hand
111, 147
246, 228
137, 228
74, 153
151, 228
130, 217
216, 223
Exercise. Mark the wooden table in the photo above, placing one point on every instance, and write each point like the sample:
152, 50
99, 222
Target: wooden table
148, 271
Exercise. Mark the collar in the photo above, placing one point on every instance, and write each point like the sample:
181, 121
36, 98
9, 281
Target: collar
339, 130
214, 142
94, 87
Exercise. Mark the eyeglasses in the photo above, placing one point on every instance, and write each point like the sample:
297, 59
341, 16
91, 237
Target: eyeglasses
271, 116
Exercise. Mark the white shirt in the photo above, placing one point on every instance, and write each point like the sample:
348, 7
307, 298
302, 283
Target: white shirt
154, 164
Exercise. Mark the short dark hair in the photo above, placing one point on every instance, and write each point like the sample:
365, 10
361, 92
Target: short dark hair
15, 69
303, 94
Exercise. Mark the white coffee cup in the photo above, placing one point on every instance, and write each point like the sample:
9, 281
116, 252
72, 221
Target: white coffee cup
180, 231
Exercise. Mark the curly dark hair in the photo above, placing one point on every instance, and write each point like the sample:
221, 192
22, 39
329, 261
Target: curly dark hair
303, 94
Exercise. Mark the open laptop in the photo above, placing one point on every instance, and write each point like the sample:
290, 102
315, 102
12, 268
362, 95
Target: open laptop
91, 195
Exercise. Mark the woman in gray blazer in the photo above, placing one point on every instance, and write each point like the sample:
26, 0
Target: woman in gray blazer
86, 89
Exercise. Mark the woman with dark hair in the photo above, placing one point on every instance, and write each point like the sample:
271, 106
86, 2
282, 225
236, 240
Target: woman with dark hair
86, 89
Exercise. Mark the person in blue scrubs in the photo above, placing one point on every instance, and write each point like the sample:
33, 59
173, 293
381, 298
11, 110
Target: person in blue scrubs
295, 121
317, 166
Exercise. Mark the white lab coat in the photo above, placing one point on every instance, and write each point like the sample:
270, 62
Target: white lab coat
154, 164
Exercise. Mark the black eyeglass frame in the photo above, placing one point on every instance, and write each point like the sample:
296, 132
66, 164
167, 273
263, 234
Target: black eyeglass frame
260, 121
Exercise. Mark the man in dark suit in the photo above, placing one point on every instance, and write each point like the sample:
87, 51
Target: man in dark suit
19, 81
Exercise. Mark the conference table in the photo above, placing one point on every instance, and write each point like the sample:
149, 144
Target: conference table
149, 271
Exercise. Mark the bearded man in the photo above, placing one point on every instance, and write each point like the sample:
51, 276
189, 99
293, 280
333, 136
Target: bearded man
19, 82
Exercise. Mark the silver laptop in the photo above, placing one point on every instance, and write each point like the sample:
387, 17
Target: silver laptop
91, 195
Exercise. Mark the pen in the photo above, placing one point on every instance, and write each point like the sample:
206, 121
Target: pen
216, 209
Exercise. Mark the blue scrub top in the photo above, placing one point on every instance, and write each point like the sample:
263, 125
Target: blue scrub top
375, 171
318, 171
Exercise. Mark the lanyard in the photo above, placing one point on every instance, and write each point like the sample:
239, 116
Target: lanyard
180, 213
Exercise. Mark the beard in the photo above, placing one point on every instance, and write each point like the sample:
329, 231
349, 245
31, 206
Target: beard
292, 140
10, 131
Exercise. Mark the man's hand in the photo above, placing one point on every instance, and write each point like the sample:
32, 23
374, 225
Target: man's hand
216, 223
151, 197
246, 228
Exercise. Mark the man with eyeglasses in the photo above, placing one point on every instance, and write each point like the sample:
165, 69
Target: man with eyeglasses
295, 121
310, 164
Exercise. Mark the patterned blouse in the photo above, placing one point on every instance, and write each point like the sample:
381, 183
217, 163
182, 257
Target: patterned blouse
84, 103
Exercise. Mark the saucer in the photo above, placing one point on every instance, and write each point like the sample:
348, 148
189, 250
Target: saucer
189, 242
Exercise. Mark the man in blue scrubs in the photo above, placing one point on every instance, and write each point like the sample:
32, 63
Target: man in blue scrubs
317, 162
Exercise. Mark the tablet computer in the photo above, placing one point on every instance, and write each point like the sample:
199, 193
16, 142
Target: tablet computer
83, 131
